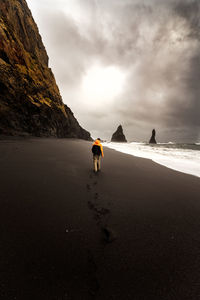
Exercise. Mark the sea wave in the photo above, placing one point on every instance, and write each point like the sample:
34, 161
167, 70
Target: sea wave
180, 157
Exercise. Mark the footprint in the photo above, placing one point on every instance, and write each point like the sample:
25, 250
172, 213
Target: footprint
88, 187
102, 211
96, 196
91, 205
97, 217
108, 234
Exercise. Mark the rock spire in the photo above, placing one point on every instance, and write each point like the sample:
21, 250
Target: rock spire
153, 139
118, 135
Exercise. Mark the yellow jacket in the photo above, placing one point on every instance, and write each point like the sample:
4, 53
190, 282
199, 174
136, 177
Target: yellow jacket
97, 143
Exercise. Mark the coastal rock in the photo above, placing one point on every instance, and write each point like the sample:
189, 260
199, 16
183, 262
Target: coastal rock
153, 139
30, 101
118, 135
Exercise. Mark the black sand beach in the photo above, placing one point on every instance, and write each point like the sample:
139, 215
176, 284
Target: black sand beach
130, 232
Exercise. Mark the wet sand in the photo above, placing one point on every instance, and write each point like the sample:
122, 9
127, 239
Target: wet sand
130, 232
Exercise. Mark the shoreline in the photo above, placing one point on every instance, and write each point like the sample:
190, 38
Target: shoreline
130, 232
163, 159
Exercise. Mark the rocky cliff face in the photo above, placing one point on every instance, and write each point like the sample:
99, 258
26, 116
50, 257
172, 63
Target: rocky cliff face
30, 102
153, 137
118, 135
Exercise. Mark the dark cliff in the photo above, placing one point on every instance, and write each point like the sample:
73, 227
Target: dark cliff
30, 102
118, 135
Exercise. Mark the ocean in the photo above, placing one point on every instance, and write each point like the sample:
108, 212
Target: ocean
180, 157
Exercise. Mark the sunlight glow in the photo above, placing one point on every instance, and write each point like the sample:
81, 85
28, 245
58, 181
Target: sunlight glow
103, 83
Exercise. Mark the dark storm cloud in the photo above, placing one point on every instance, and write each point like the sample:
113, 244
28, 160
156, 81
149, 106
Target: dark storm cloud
189, 112
190, 11
170, 66
155, 43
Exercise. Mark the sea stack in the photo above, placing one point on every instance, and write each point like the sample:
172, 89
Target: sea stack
118, 135
30, 101
153, 139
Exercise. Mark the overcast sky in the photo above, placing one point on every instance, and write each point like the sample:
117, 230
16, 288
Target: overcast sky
129, 62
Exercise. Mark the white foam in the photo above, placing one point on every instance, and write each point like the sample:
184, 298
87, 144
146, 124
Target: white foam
179, 159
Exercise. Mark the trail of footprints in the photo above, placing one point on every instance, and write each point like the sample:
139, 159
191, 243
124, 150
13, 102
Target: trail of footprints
101, 214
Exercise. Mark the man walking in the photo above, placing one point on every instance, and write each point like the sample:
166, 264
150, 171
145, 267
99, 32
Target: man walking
97, 150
